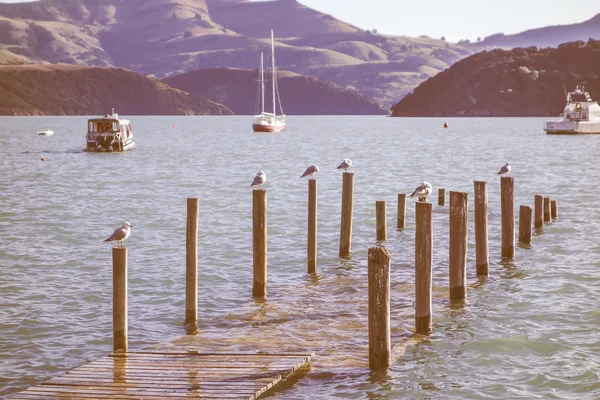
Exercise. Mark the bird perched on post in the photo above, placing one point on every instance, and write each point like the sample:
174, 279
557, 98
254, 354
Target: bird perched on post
345, 165
120, 234
422, 191
310, 171
259, 179
505, 169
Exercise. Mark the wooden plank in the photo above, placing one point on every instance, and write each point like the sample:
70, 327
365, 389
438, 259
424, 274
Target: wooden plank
172, 375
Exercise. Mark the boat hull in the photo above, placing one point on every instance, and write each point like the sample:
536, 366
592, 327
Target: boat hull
572, 128
115, 149
268, 128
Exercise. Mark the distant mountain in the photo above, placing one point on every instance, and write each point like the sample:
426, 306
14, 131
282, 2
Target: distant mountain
519, 82
166, 38
300, 95
549, 36
80, 90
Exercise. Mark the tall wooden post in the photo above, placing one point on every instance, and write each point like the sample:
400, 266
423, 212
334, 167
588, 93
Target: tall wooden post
525, 224
312, 226
539, 211
458, 245
401, 210
347, 209
191, 262
547, 209
554, 208
423, 266
259, 242
119, 256
441, 197
507, 191
380, 348
381, 220
481, 229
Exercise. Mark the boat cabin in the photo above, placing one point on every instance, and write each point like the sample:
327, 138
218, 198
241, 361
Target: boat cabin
109, 133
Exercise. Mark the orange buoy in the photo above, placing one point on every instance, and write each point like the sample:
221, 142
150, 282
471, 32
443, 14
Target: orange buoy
174, 126
445, 124
43, 158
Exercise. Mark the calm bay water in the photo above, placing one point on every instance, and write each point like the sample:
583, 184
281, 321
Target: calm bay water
528, 331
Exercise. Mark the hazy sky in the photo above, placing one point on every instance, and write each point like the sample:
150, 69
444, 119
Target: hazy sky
455, 19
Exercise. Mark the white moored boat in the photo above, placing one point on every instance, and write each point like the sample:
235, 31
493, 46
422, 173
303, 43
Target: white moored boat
47, 132
266, 121
581, 115
109, 134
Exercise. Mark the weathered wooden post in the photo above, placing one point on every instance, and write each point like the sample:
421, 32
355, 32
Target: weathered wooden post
547, 209
423, 266
458, 245
525, 213
401, 210
507, 190
381, 220
191, 262
312, 226
119, 256
539, 212
554, 208
380, 348
481, 228
347, 209
259, 242
441, 197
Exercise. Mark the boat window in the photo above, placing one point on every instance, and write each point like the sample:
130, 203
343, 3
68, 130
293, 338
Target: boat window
578, 97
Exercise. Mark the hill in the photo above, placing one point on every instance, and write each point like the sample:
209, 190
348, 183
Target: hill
549, 36
163, 39
79, 90
301, 95
519, 82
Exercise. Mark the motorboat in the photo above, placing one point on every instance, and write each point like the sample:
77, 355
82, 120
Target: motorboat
109, 134
581, 115
47, 132
269, 121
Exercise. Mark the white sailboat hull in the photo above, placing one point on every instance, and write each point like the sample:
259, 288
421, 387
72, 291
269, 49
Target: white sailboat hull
269, 123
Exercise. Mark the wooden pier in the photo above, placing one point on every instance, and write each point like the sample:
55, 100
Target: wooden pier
172, 375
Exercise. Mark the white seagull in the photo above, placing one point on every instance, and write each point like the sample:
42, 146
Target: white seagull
422, 191
259, 179
505, 169
310, 171
347, 163
120, 234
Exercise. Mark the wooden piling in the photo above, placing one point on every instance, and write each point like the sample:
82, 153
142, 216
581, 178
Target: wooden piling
481, 228
525, 213
441, 197
381, 220
458, 245
119, 256
401, 210
554, 209
539, 211
259, 242
347, 210
547, 209
379, 308
312, 226
423, 267
191, 262
507, 191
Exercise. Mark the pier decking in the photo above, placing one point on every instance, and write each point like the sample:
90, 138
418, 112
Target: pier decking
172, 375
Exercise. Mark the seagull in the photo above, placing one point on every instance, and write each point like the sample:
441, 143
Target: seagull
120, 234
310, 171
347, 163
422, 191
505, 169
259, 179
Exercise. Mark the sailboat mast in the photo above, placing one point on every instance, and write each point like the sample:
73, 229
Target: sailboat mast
273, 70
262, 85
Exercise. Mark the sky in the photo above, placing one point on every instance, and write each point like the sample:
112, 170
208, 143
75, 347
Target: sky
454, 19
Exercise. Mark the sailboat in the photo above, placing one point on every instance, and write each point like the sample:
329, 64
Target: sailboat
266, 121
